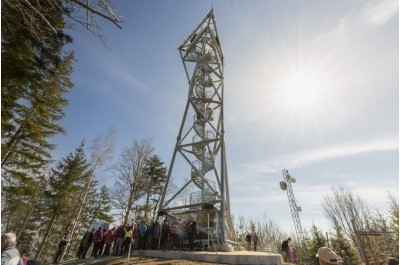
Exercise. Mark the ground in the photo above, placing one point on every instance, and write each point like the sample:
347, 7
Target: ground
151, 261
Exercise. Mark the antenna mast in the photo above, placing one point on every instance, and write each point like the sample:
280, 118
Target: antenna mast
286, 184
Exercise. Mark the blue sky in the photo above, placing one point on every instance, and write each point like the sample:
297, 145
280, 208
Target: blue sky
310, 86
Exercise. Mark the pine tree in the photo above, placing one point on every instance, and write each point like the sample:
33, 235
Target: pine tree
316, 241
156, 175
99, 206
66, 186
35, 78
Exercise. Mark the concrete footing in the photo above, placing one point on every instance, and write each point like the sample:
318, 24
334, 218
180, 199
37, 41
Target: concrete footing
235, 257
224, 248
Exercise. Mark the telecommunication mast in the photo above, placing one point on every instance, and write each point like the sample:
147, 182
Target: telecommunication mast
286, 184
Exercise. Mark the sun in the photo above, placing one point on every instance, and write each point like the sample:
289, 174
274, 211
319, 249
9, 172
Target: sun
300, 89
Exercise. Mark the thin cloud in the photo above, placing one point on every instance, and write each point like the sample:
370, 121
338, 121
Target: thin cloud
301, 158
371, 14
378, 13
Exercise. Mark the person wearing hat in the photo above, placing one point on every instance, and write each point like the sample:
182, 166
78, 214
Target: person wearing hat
393, 261
345, 257
326, 256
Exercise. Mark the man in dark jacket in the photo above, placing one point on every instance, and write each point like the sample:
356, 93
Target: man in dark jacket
86, 243
286, 249
248, 240
191, 232
120, 236
164, 234
9, 253
61, 246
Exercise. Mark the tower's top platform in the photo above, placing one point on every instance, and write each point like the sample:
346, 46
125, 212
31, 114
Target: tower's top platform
207, 28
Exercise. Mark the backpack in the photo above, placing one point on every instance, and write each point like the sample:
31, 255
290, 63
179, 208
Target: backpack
248, 238
189, 229
97, 236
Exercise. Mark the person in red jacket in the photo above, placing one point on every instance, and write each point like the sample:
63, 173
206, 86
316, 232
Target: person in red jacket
108, 240
97, 237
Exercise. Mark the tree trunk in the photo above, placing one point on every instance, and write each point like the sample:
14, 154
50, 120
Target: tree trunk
130, 204
147, 200
49, 226
21, 229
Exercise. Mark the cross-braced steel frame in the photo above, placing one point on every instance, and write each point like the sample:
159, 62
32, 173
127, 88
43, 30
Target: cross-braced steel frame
200, 141
295, 212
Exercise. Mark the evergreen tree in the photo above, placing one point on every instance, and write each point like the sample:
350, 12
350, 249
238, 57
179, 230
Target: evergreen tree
66, 187
394, 217
35, 78
100, 205
316, 241
156, 175
339, 243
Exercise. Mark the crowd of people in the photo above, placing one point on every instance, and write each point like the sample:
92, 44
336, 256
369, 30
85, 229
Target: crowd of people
120, 240
251, 238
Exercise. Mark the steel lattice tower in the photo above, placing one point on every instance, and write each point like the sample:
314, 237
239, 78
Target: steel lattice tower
200, 141
287, 185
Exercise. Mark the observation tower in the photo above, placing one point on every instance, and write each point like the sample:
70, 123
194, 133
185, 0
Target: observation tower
198, 166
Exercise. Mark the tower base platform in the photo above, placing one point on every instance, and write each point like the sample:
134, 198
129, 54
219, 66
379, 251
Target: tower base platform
235, 257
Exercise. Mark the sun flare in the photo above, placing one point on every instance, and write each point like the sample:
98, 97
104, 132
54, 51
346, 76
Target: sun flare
300, 89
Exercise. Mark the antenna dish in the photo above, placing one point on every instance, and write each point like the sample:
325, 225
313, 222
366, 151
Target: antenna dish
283, 185
293, 180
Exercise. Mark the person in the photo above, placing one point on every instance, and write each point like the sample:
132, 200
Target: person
174, 232
149, 235
108, 239
102, 243
345, 257
326, 256
86, 242
393, 261
255, 241
248, 239
97, 237
136, 235
181, 231
164, 235
128, 239
143, 229
80, 249
119, 235
9, 253
156, 235
286, 250
25, 258
293, 251
146, 237
61, 246
191, 232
